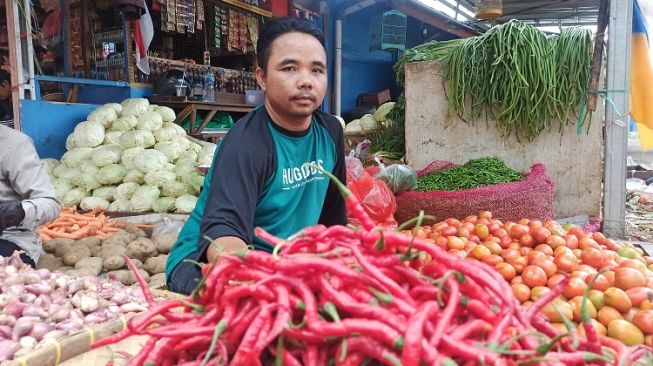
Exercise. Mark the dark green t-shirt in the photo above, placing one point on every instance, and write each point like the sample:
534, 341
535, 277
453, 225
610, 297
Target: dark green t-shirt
259, 179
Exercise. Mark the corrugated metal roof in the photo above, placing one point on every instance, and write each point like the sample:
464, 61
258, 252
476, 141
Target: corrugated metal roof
567, 12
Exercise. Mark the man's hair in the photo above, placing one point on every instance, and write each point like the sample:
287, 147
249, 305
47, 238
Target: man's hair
276, 28
5, 76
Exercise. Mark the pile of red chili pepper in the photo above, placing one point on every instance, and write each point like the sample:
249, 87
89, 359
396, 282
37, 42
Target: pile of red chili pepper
353, 296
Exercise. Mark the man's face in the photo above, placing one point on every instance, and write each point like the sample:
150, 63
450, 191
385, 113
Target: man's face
5, 90
295, 80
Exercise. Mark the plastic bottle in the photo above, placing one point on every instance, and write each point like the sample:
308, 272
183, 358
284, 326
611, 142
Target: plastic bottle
209, 86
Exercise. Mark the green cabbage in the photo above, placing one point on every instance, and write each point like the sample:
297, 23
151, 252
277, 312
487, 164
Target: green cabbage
124, 123
165, 133
77, 156
70, 142
137, 138
86, 182
106, 154
205, 155
103, 115
112, 138
125, 191
61, 186
116, 107
166, 113
128, 156
73, 197
164, 204
149, 121
171, 149
111, 174
368, 122
144, 198
381, 114
88, 167
134, 176
65, 172
106, 192
134, 106
185, 203
120, 206
92, 203
185, 168
176, 189
188, 155
49, 164
150, 160
89, 134
159, 178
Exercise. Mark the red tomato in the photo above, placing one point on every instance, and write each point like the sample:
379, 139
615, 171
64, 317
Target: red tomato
534, 276
506, 270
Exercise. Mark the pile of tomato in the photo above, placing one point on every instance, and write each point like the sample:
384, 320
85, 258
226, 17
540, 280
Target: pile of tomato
534, 256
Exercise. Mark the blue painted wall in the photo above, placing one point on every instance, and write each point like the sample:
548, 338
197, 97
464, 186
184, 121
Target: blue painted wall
364, 71
50, 123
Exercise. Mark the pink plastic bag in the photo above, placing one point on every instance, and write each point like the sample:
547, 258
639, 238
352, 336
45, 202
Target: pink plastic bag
375, 195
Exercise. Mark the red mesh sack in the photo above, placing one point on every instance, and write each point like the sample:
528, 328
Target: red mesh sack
530, 198
377, 199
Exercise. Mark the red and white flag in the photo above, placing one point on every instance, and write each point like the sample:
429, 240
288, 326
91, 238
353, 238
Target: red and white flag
143, 34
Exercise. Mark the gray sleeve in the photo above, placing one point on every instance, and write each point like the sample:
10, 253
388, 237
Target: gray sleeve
31, 182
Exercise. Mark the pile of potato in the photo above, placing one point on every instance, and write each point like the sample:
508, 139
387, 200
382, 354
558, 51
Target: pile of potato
95, 257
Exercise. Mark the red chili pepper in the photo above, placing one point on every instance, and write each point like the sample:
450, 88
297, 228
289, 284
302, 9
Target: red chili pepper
473, 327
447, 314
160, 351
547, 298
354, 308
372, 328
239, 325
371, 348
311, 355
140, 322
147, 294
386, 282
411, 354
303, 335
244, 352
480, 310
139, 359
456, 348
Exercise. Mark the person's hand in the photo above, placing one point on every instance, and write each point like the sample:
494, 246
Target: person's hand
11, 214
224, 245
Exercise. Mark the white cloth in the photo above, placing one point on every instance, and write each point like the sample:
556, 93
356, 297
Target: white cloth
23, 178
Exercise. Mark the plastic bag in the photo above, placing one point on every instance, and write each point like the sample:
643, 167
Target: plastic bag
354, 168
165, 234
377, 199
635, 185
398, 177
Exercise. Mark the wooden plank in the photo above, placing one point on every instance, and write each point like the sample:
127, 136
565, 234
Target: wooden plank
572, 160
249, 8
617, 118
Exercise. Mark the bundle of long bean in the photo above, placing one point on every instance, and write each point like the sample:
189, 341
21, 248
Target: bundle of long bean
475, 173
521, 76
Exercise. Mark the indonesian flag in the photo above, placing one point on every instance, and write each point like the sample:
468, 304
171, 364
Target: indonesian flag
143, 33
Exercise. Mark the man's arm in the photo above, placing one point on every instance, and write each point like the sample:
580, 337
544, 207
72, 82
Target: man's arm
30, 180
240, 171
224, 245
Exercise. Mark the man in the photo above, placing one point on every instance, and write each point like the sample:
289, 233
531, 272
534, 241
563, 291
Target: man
6, 108
27, 197
259, 176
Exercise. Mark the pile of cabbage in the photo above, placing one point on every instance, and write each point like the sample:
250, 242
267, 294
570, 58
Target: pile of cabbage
371, 122
130, 157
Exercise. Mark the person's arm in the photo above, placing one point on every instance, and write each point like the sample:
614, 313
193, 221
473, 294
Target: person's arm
31, 182
240, 172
